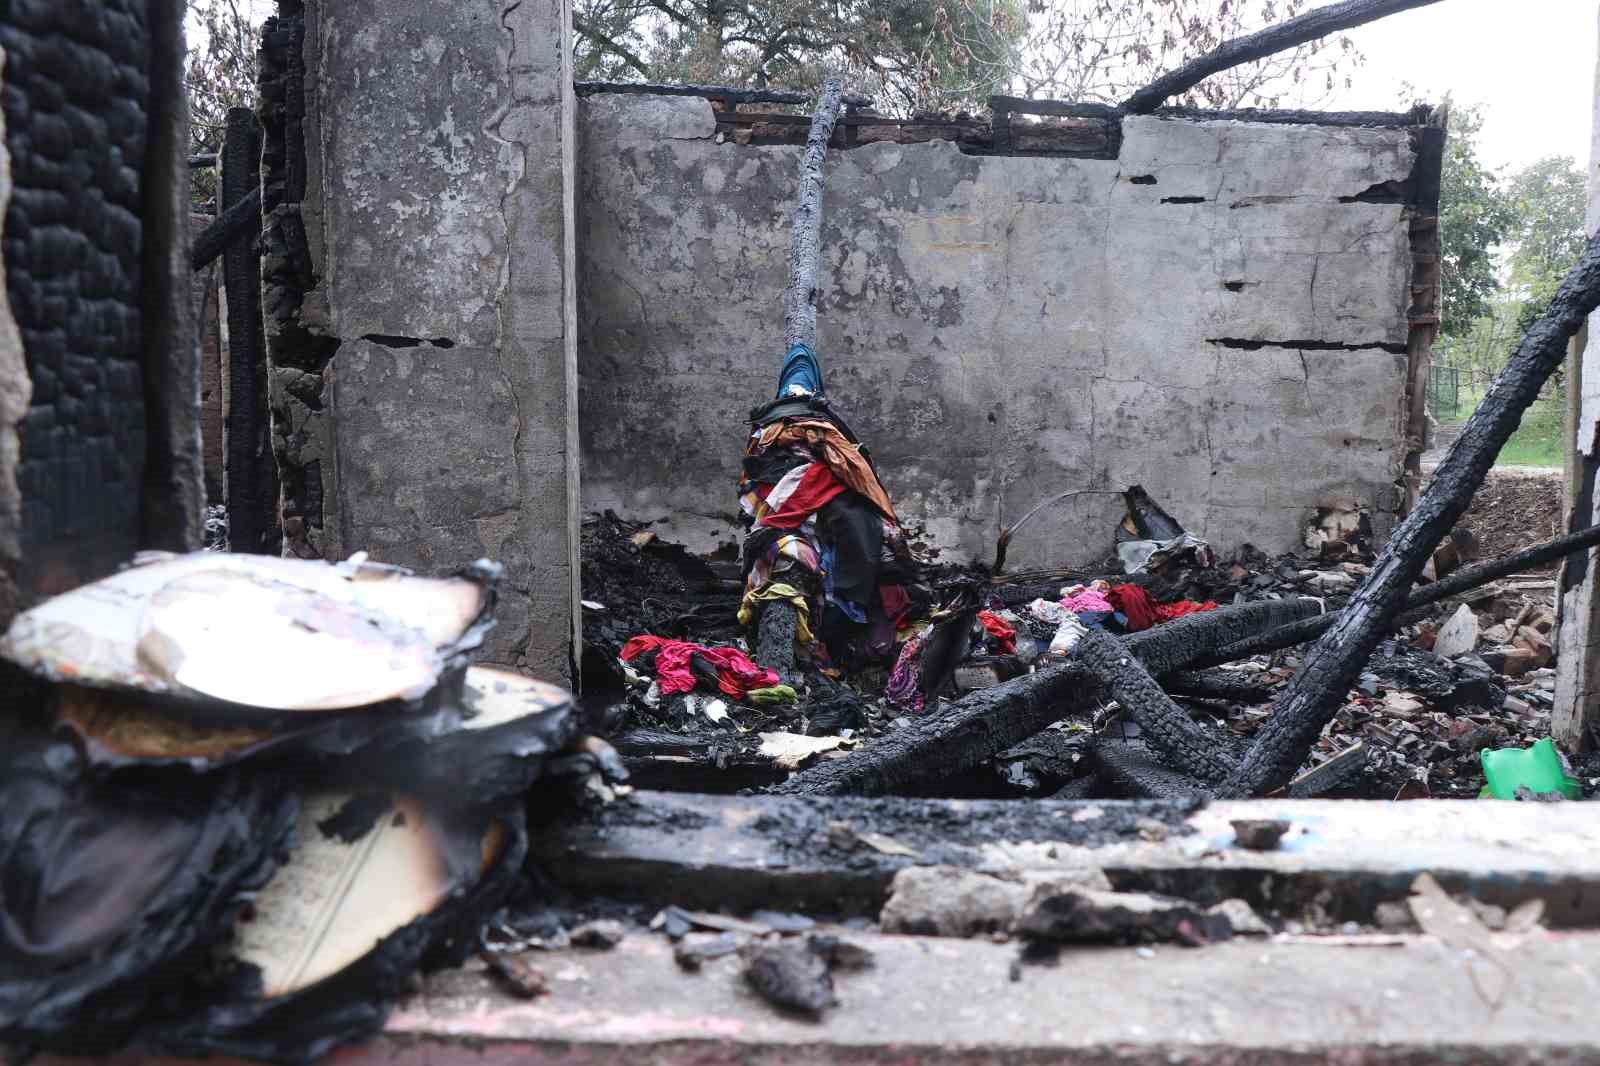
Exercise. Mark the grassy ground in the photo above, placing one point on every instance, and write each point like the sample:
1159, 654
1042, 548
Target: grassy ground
1537, 442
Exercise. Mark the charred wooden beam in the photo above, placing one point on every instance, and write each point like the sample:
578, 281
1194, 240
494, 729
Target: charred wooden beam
238, 220
1217, 685
800, 297
1314, 695
1290, 33
956, 737
1462, 580
1166, 726
732, 94
1417, 116
1132, 769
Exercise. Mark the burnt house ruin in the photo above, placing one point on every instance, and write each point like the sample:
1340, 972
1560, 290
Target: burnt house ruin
467, 304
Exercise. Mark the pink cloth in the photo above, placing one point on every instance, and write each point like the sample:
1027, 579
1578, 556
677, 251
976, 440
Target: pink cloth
737, 674
902, 689
1088, 601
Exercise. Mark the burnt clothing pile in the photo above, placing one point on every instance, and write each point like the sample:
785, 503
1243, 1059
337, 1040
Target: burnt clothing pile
244, 799
822, 533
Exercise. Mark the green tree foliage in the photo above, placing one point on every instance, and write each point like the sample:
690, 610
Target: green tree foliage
1549, 199
219, 73
919, 55
1475, 217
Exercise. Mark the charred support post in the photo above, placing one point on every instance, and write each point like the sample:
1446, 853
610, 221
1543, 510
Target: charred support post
800, 297
1290, 33
250, 479
1332, 666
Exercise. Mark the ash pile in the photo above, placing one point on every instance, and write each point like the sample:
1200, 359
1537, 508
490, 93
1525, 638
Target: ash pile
244, 800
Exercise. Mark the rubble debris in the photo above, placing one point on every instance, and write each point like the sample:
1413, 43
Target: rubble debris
1072, 913
516, 975
1459, 635
695, 949
602, 933
949, 901
1155, 541
1259, 834
789, 975
840, 954
1382, 736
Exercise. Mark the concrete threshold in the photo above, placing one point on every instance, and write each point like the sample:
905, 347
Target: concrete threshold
1384, 1000
1343, 856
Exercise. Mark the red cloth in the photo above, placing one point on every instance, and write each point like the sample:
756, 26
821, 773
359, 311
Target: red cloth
1142, 612
1003, 632
817, 486
737, 674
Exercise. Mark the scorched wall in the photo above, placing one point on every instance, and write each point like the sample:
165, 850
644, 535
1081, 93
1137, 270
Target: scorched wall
1212, 315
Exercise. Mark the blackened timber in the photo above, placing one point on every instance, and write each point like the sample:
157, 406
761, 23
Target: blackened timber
1166, 726
243, 217
800, 296
1132, 769
1463, 580
250, 477
1315, 693
1216, 685
1376, 119
952, 739
730, 93
1290, 33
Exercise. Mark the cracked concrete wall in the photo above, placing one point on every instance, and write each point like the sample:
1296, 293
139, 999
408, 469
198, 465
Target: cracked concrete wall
1204, 315
439, 201
15, 390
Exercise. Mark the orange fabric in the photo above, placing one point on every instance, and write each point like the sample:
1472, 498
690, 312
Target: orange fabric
832, 447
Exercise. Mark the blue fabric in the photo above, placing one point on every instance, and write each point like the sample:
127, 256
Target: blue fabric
853, 611
801, 374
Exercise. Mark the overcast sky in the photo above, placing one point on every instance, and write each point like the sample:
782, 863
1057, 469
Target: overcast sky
1531, 63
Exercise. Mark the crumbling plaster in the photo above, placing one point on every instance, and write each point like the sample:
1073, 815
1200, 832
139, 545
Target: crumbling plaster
1000, 329
442, 197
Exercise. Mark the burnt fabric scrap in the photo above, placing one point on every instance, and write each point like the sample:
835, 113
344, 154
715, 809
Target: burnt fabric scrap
202, 852
736, 673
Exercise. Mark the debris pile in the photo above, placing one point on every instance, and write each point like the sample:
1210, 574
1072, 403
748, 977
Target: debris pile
244, 799
1469, 672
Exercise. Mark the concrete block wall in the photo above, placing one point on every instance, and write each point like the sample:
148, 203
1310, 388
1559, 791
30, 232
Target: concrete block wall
439, 214
1213, 314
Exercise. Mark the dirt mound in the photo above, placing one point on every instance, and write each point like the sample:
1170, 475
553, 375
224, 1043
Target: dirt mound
1515, 510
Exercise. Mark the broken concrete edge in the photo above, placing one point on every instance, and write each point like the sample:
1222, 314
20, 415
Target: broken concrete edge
1343, 857
1401, 1000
